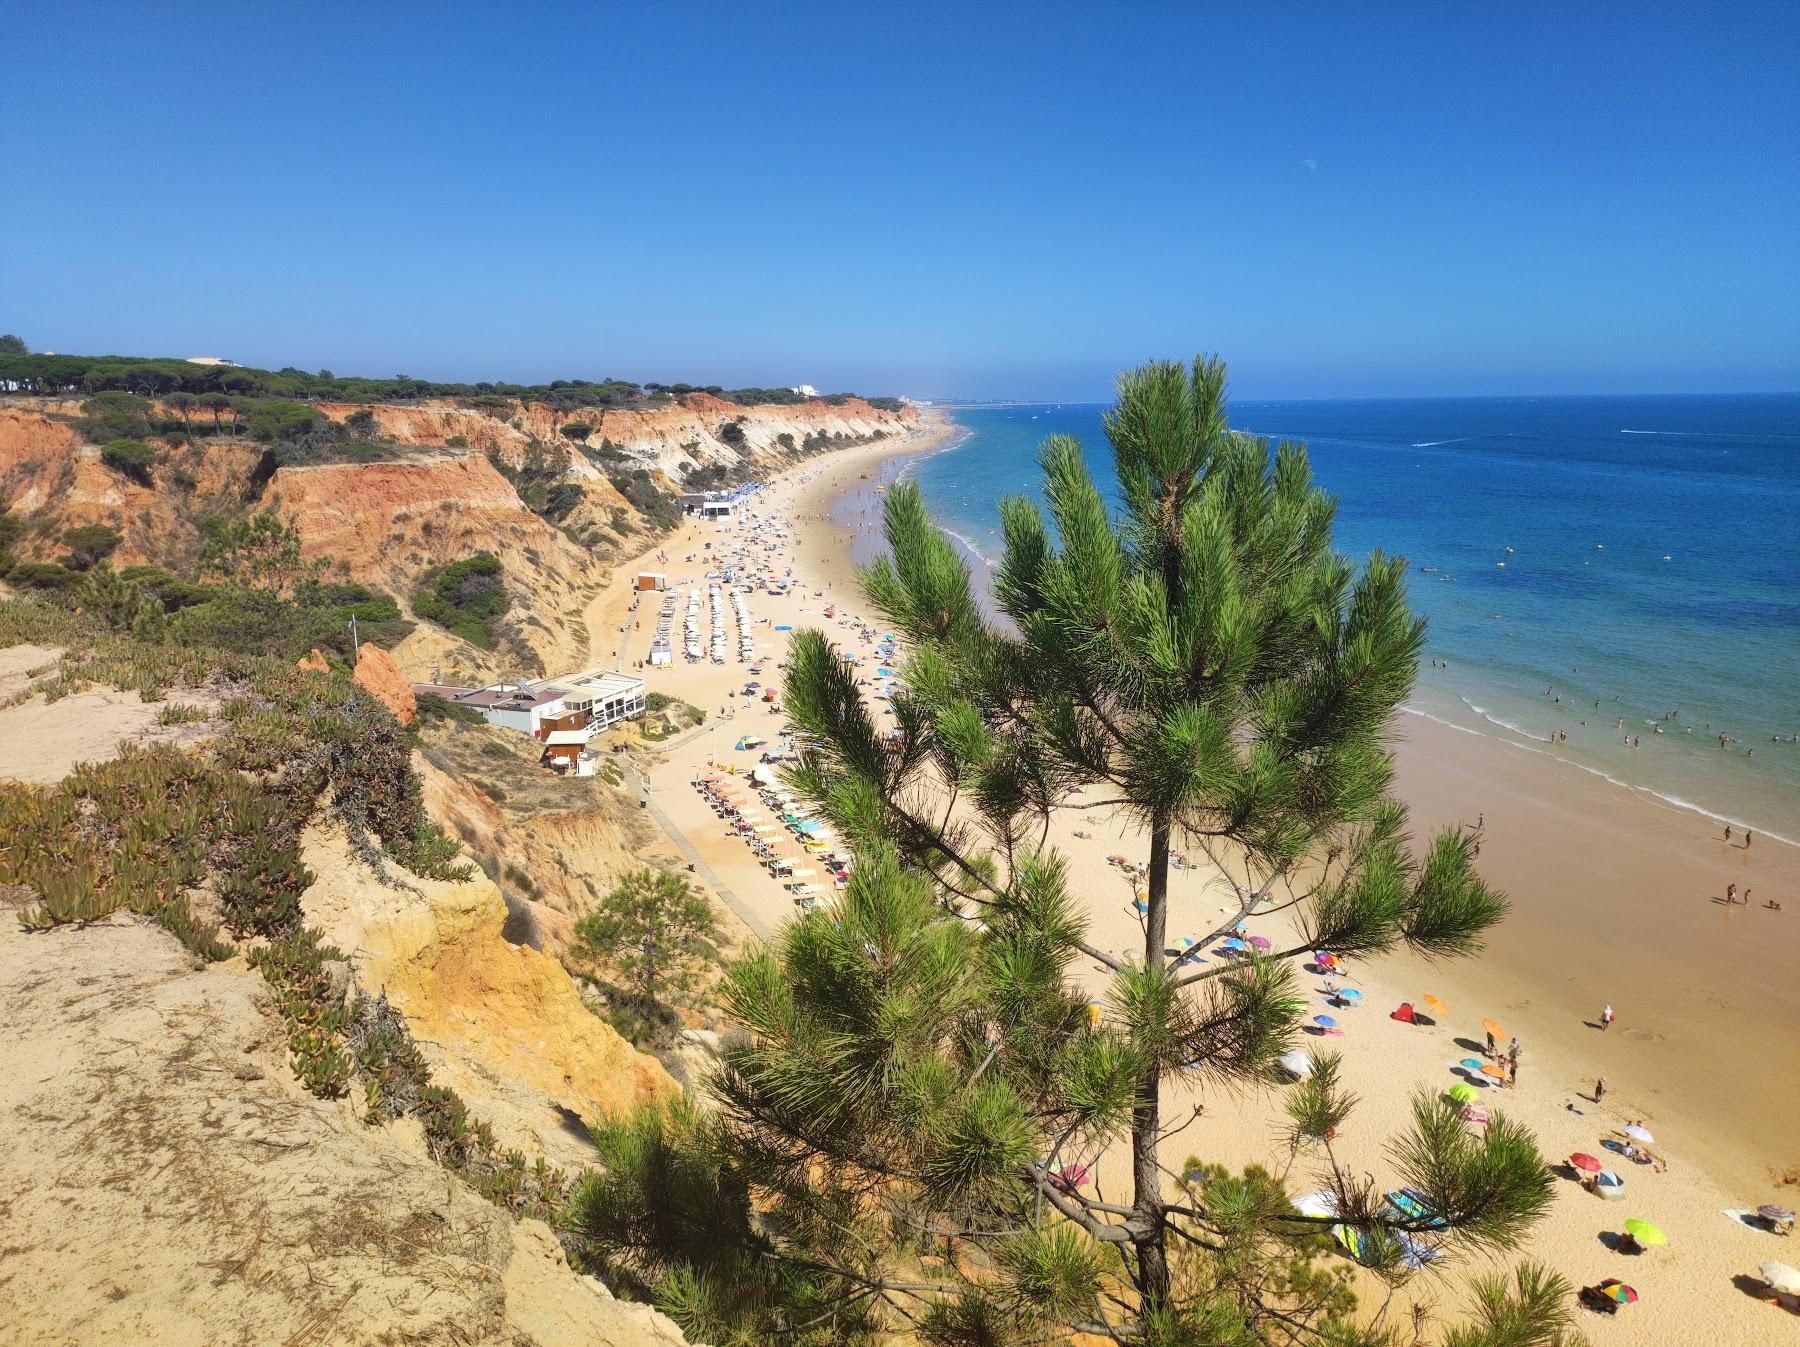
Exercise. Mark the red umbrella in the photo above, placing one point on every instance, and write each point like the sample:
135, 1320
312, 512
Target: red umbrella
1582, 1160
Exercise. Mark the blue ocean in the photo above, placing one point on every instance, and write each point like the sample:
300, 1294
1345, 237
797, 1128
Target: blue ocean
1581, 562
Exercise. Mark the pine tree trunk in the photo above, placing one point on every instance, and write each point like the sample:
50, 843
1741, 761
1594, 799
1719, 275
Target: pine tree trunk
1147, 1196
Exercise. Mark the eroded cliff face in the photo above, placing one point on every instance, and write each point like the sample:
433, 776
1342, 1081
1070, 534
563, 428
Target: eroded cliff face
570, 837
384, 524
168, 1180
688, 430
50, 476
501, 1024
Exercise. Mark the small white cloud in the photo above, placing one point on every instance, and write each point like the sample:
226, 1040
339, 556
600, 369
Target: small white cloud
1310, 165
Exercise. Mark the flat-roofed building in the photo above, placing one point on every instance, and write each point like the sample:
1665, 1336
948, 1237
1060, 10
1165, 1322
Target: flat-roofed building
523, 707
605, 694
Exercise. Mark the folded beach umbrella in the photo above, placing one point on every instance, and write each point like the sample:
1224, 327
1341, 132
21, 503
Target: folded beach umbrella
1462, 1092
1637, 1133
1585, 1162
1093, 1013
1645, 1233
1781, 1277
1433, 1003
1493, 1029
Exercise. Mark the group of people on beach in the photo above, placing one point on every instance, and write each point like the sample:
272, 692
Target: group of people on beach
1508, 1059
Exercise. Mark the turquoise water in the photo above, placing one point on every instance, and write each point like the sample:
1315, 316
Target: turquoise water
1652, 565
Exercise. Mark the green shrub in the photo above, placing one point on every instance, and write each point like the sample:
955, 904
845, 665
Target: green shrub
44, 575
131, 458
295, 967
465, 598
89, 544
432, 707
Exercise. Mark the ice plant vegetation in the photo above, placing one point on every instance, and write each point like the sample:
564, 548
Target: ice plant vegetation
910, 1130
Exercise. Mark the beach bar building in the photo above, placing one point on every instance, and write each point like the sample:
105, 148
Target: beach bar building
516, 706
711, 504
564, 717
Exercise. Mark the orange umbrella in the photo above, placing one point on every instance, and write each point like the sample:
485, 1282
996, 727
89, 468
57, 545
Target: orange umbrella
1436, 1004
1493, 1029
1491, 1070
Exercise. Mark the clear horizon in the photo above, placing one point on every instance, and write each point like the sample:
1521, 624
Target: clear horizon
1006, 205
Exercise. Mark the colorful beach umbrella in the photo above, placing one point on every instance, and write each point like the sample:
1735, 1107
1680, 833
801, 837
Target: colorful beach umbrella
1493, 1029
1645, 1233
1324, 1021
1780, 1215
1435, 1004
1619, 1292
1463, 1092
1637, 1133
1585, 1162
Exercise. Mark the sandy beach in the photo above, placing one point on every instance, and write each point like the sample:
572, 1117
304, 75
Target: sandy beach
1616, 898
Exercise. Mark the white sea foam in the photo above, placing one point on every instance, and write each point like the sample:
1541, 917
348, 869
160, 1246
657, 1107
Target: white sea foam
1447, 724
1482, 711
1711, 434
1432, 444
968, 545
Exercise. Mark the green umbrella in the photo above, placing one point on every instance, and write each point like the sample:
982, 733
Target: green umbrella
1463, 1093
1645, 1233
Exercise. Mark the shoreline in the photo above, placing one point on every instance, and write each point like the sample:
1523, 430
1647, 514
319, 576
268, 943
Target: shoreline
1611, 897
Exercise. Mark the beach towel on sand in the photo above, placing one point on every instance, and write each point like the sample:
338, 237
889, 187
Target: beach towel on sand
1410, 1203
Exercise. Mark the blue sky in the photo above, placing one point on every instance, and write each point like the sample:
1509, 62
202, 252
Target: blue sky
960, 200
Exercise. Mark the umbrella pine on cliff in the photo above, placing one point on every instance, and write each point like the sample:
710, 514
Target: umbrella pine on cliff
924, 1089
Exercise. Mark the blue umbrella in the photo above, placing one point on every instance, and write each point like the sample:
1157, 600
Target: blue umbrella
1350, 994
784, 628
1471, 1063
1324, 1021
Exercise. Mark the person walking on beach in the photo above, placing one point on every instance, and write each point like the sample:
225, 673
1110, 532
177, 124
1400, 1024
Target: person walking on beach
1606, 1017
1489, 1050
1727, 832
1599, 1089
1730, 894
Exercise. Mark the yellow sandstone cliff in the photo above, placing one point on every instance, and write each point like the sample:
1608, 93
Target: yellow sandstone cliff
501, 1024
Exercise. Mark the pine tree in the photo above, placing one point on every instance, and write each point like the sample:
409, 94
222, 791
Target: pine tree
923, 1085
654, 935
